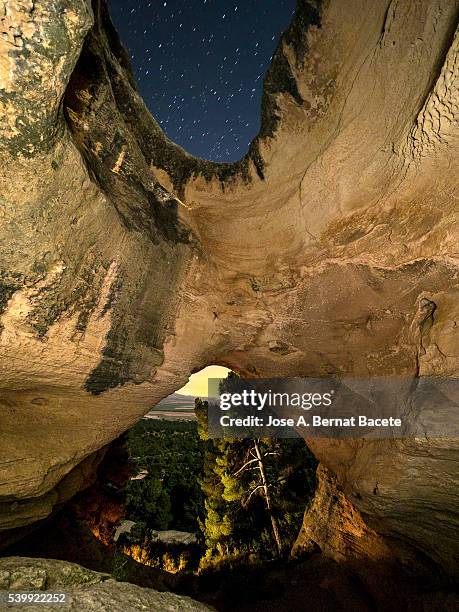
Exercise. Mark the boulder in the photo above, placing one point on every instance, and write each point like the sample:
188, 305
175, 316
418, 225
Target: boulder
85, 590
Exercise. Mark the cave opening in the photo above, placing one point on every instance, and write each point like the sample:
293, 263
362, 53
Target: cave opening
174, 510
200, 67
197, 504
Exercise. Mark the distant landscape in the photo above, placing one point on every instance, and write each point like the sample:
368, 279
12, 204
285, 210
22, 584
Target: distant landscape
175, 406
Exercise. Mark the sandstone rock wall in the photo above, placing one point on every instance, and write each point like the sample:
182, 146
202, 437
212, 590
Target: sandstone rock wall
330, 249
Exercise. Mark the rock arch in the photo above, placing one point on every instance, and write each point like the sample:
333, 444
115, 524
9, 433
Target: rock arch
125, 263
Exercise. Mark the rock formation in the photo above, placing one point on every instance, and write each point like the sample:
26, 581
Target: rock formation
329, 249
85, 590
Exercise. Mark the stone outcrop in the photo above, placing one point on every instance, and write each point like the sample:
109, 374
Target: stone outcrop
329, 249
333, 524
85, 590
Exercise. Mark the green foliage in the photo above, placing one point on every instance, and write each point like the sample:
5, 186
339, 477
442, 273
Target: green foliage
218, 526
169, 496
200, 409
196, 484
236, 522
119, 570
148, 501
232, 488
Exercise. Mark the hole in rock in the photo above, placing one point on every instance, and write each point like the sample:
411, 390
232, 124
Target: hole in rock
174, 510
200, 66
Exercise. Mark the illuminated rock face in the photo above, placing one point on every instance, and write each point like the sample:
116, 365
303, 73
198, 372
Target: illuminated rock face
126, 264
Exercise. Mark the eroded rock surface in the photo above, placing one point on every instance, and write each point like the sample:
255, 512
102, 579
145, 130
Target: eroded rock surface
86, 590
330, 249
333, 523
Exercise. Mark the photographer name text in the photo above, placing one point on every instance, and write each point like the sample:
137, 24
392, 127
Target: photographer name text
314, 421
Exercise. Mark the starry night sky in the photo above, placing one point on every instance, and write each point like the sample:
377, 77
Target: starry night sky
199, 65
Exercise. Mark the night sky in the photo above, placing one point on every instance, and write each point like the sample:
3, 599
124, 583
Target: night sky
199, 65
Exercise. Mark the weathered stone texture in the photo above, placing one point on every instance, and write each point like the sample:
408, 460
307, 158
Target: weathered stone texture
86, 590
331, 248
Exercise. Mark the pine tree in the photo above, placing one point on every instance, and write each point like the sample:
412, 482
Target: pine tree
255, 489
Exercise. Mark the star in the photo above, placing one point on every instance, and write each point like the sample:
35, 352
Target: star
200, 69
